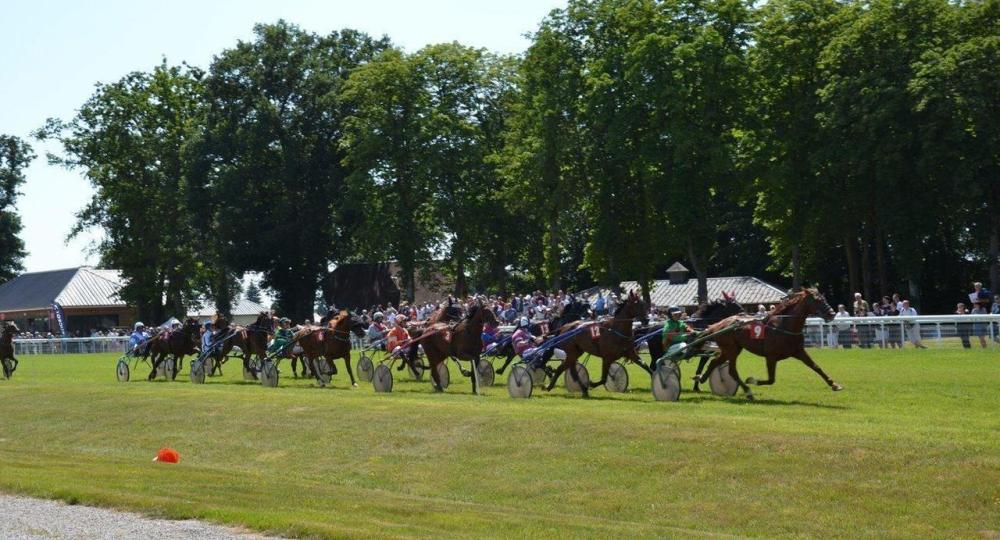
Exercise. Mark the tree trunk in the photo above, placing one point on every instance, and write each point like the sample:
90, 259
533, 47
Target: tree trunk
796, 268
994, 243
851, 250
552, 254
866, 273
647, 285
880, 263
461, 284
701, 272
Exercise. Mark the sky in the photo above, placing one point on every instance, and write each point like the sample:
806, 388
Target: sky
52, 54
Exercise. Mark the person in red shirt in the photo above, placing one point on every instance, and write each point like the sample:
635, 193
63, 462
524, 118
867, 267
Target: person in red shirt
398, 335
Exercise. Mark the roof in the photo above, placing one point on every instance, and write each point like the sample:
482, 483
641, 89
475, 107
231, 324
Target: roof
242, 307
677, 267
70, 287
750, 291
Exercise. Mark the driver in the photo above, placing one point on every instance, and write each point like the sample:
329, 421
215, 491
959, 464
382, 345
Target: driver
138, 338
281, 336
676, 331
398, 335
526, 344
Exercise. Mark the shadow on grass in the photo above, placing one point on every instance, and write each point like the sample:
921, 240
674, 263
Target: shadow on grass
740, 400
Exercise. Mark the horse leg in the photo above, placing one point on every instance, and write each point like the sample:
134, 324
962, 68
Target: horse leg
584, 389
554, 375
772, 364
510, 358
605, 364
716, 362
350, 372
474, 375
702, 360
736, 377
295, 369
435, 376
807, 360
156, 363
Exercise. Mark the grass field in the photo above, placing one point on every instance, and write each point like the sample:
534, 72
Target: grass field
909, 449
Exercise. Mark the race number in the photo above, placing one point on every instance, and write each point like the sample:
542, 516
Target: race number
595, 332
757, 330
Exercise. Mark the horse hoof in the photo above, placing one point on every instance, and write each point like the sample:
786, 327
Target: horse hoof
751, 380
354, 384
750, 397
836, 387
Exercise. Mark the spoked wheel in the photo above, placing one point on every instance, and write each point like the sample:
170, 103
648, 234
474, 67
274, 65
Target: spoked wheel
8, 368
617, 378
209, 364
722, 383
520, 383
416, 370
382, 378
323, 372
667, 382
366, 369
248, 372
269, 374
198, 371
537, 376
122, 370
582, 374
444, 375
170, 370
487, 376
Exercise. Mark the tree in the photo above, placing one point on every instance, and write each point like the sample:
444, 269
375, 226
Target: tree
273, 160
15, 156
128, 138
252, 293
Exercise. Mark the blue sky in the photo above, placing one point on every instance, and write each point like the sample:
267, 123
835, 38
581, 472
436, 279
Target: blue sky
53, 53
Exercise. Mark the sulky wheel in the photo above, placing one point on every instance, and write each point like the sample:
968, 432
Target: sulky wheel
582, 374
487, 376
416, 370
538, 376
617, 378
444, 374
382, 378
269, 374
722, 382
170, 370
8, 368
519, 382
667, 381
198, 372
366, 369
122, 371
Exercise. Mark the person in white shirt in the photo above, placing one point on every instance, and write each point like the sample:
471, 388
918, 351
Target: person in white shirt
913, 329
844, 335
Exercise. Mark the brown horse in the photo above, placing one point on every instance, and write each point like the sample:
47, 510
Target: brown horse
330, 342
251, 340
610, 340
776, 337
7, 349
446, 314
176, 343
463, 341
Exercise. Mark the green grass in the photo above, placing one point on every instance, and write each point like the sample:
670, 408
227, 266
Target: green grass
908, 449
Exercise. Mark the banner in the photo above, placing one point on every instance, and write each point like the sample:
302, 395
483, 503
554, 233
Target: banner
57, 310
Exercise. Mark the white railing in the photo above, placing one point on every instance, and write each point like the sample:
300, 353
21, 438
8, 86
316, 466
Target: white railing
111, 344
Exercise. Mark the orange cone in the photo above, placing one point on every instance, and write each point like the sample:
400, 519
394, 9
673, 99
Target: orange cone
167, 455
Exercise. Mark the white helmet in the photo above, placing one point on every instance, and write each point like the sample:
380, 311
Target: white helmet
400, 318
377, 316
523, 322
139, 325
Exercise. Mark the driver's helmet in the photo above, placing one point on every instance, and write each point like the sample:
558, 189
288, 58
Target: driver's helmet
285, 320
523, 323
377, 316
400, 319
139, 325
673, 310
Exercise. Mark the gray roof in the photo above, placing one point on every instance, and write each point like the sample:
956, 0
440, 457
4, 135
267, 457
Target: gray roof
70, 287
750, 291
677, 267
243, 307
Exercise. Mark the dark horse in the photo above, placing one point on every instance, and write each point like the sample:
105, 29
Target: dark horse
176, 343
463, 341
7, 349
574, 311
776, 337
447, 314
251, 340
330, 342
610, 340
707, 313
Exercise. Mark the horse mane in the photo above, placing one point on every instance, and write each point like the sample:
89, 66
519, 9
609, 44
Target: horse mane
792, 300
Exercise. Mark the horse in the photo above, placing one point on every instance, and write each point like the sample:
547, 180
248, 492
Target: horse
574, 311
462, 341
445, 314
776, 337
176, 343
7, 349
329, 343
610, 340
251, 340
707, 313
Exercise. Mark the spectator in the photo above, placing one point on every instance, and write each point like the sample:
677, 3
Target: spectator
979, 328
979, 295
861, 310
912, 328
761, 311
893, 332
844, 336
599, 305
961, 327
996, 311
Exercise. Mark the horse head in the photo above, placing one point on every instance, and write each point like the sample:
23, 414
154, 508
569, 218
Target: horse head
817, 304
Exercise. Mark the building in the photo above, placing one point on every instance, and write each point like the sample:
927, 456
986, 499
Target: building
680, 291
244, 312
84, 298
